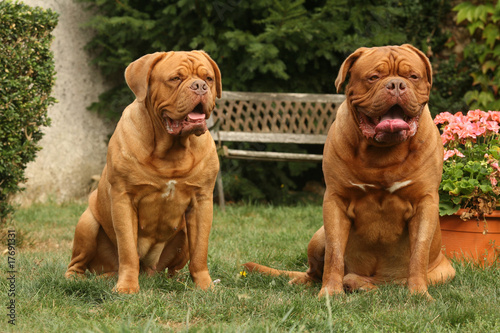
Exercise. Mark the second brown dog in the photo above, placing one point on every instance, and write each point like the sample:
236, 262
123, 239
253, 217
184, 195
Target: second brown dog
382, 166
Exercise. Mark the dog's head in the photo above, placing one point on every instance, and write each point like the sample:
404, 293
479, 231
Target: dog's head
388, 89
178, 88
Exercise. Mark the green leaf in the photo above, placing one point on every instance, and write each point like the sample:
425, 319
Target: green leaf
489, 65
465, 11
447, 208
485, 188
491, 34
475, 25
448, 186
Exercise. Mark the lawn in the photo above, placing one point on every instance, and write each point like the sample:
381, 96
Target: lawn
46, 302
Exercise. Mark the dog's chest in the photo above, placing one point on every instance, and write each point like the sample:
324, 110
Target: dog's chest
380, 215
161, 215
161, 211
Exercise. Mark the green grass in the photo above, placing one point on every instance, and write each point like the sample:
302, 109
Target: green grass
276, 236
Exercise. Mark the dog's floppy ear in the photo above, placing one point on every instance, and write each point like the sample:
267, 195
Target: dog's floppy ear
424, 58
346, 66
218, 82
138, 72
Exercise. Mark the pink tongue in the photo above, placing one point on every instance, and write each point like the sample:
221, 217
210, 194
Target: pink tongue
391, 122
196, 116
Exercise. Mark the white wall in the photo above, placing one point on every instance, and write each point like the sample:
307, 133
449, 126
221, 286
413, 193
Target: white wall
74, 146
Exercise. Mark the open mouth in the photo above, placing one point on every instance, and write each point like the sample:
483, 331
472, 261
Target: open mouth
394, 125
194, 122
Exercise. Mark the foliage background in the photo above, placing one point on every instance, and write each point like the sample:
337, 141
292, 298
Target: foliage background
26, 79
482, 20
285, 46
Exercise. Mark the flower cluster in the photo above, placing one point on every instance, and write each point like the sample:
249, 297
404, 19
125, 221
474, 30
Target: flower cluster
459, 128
471, 171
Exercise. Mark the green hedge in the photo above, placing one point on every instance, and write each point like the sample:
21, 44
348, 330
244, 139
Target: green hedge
26, 79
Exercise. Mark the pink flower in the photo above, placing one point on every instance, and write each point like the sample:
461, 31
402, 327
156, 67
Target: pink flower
443, 117
494, 116
470, 130
450, 153
476, 115
446, 137
477, 130
493, 180
492, 126
459, 128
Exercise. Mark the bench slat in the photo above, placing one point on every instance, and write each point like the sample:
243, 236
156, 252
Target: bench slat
270, 137
271, 156
273, 97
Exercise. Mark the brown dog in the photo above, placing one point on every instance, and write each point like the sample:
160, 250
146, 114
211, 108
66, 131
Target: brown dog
152, 209
382, 165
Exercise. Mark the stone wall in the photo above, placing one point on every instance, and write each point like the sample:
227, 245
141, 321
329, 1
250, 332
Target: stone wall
74, 146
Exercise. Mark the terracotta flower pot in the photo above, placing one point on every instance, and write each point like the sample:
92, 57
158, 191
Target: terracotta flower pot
471, 240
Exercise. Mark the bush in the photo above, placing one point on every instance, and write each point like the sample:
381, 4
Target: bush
26, 80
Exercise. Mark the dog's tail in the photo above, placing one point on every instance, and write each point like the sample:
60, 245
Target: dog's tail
253, 267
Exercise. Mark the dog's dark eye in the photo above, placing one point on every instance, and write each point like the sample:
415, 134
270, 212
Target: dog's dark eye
175, 78
209, 78
414, 77
373, 78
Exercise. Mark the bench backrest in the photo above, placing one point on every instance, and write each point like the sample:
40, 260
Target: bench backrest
275, 117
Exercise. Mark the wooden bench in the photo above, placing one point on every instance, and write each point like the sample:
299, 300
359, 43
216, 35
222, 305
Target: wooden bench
272, 118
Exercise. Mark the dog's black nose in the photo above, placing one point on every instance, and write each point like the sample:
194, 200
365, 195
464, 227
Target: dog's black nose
199, 87
396, 87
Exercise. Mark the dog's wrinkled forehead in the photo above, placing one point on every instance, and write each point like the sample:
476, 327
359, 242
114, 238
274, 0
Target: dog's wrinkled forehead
182, 65
389, 62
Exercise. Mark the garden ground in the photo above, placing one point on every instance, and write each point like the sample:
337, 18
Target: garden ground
46, 302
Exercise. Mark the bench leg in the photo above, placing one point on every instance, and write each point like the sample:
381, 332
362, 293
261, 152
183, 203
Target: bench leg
220, 192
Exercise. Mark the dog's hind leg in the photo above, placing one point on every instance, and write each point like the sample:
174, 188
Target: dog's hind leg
105, 260
84, 244
315, 258
175, 255
92, 249
442, 272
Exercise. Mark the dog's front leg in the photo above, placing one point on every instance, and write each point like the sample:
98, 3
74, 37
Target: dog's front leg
125, 224
421, 231
337, 226
199, 222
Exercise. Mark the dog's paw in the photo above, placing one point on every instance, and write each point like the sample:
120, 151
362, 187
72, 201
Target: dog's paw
353, 282
330, 292
422, 293
305, 280
419, 287
72, 275
202, 279
122, 288
108, 275
205, 284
